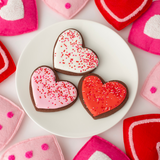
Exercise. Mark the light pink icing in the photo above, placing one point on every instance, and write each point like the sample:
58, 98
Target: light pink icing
5, 59
134, 124
69, 55
127, 17
31, 149
48, 93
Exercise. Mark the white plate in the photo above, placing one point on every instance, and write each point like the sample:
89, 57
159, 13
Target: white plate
116, 63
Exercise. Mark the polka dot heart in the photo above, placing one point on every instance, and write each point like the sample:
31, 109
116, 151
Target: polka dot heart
11, 117
45, 147
151, 88
67, 8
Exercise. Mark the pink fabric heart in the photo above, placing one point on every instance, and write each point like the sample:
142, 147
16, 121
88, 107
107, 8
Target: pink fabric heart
11, 117
18, 17
48, 92
67, 8
30, 149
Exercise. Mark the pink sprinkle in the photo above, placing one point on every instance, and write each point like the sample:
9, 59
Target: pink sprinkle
68, 5
10, 114
11, 157
153, 90
1, 127
45, 146
29, 154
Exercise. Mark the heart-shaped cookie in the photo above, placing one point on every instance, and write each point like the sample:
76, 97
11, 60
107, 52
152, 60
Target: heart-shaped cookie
101, 99
48, 93
121, 13
141, 137
70, 56
7, 66
18, 17
67, 8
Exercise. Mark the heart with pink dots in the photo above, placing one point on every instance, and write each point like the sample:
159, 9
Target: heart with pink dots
67, 8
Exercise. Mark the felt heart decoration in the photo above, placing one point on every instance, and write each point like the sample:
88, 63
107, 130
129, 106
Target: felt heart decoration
50, 94
151, 88
145, 32
11, 117
120, 13
45, 147
18, 17
67, 8
141, 137
7, 66
98, 148
70, 57
102, 99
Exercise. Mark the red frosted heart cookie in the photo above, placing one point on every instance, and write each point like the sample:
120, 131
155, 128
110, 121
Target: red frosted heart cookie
70, 56
7, 66
48, 93
101, 99
141, 137
121, 13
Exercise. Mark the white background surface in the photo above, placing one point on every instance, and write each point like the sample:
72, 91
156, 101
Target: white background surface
16, 44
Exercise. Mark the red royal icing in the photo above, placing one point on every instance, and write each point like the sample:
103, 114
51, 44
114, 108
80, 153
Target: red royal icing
100, 98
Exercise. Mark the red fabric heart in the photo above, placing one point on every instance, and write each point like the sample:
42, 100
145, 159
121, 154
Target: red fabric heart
100, 97
141, 137
7, 66
120, 13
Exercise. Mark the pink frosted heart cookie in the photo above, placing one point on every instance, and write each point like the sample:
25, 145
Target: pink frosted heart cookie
11, 117
38, 148
141, 137
70, 56
48, 93
145, 31
18, 17
67, 8
98, 148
